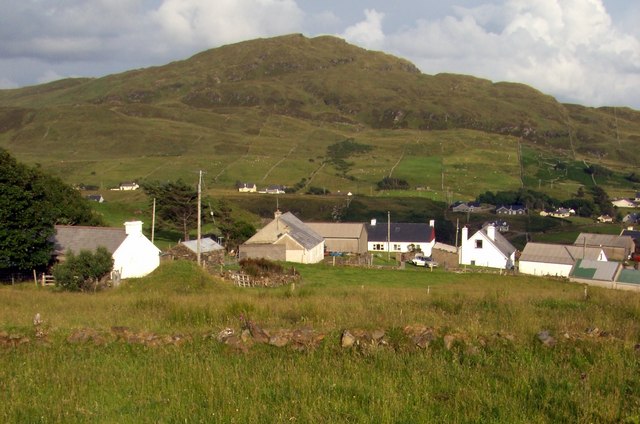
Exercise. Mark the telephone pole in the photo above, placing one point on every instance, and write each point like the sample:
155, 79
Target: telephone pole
199, 217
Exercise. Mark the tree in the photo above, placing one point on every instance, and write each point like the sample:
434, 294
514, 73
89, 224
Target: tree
235, 232
31, 203
176, 205
83, 271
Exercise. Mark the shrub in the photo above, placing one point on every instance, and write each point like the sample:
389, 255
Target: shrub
83, 271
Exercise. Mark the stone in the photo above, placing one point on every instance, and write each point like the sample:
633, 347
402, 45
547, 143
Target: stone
546, 339
257, 333
225, 334
347, 340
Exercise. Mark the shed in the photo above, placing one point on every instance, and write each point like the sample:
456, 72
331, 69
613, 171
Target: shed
342, 236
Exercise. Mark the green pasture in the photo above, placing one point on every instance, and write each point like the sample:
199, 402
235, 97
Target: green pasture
496, 371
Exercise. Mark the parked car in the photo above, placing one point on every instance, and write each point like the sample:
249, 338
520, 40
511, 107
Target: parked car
424, 261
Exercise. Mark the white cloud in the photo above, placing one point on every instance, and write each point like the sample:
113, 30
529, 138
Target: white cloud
209, 23
367, 33
566, 47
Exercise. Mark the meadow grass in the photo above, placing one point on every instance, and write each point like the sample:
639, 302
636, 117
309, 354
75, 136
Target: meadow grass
481, 378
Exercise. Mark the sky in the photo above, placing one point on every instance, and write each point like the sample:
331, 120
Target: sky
579, 51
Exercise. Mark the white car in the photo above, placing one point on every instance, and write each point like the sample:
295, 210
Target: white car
424, 261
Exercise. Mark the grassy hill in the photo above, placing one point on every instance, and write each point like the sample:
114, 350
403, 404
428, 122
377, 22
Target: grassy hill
267, 111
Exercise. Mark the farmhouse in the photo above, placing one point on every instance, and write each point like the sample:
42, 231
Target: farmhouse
623, 203
466, 207
555, 259
133, 254
342, 236
401, 237
486, 248
246, 187
95, 198
617, 248
511, 210
275, 189
286, 238
128, 186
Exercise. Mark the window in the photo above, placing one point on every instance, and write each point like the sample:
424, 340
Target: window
378, 246
478, 244
397, 248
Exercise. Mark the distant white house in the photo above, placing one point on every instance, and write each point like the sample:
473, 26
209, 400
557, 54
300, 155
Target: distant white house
623, 203
128, 186
133, 254
486, 247
247, 187
555, 259
401, 237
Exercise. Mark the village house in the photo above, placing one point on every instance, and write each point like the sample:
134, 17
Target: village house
286, 238
401, 237
555, 259
95, 198
342, 237
486, 248
617, 248
511, 210
275, 189
604, 219
128, 186
246, 187
466, 207
500, 224
133, 254
623, 203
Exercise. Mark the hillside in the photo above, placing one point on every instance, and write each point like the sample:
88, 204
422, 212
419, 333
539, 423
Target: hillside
267, 110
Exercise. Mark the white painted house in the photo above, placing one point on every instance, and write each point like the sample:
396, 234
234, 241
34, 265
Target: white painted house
487, 247
401, 237
136, 256
555, 259
133, 254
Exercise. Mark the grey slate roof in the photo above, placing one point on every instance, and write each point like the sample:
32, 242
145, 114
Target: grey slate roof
287, 223
401, 232
300, 232
77, 238
557, 253
206, 245
634, 234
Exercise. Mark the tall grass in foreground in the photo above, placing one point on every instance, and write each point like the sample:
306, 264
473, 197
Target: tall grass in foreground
482, 379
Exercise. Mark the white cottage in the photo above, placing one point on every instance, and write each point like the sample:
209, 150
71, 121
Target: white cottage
136, 256
486, 247
401, 237
133, 254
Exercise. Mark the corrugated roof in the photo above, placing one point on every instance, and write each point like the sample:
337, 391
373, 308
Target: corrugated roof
604, 240
630, 276
290, 224
401, 232
337, 229
557, 253
206, 245
595, 270
77, 238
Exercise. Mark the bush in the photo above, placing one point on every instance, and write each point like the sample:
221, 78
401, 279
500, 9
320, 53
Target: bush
83, 271
260, 267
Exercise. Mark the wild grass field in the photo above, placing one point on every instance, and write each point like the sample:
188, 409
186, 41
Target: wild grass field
484, 364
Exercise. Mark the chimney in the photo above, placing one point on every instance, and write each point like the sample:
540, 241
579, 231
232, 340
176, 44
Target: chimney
432, 223
465, 235
133, 227
373, 222
491, 232
277, 214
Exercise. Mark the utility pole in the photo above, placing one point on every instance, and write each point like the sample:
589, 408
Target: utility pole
388, 235
153, 220
199, 217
